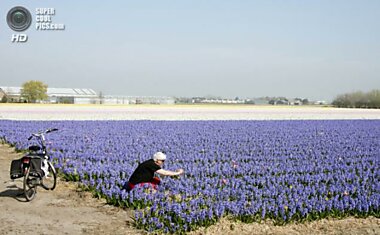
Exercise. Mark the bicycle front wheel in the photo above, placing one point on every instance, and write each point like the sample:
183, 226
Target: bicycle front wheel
49, 181
30, 186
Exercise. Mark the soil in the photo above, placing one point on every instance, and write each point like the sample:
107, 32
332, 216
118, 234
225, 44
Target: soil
69, 210
65, 210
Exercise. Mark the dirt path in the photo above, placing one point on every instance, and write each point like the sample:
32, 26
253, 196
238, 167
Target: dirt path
68, 210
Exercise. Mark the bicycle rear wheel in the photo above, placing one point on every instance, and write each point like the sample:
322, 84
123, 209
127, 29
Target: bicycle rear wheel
49, 181
30, 186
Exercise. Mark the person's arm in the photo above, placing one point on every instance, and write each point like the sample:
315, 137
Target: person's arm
170, 173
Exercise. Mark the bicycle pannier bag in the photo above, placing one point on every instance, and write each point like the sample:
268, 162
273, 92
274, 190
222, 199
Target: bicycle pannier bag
35, 167
16, 169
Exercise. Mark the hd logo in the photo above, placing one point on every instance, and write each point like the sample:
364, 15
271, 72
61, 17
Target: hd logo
19, 19
19, 38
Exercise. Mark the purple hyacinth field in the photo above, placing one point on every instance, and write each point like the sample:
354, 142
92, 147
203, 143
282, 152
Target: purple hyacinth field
284, 171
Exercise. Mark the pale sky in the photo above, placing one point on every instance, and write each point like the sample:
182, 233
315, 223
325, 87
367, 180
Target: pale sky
307, 49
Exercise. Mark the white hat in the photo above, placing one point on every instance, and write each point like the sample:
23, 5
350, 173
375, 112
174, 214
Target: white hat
159, 156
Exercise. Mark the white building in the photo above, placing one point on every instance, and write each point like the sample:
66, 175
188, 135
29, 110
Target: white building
72, 95
137, 100
55, 95
83, 96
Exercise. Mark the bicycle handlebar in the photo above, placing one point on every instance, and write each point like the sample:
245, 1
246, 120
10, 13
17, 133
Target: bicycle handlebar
51, 130
39, 134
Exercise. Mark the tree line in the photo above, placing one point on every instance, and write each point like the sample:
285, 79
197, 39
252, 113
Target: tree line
33, 91
358, 100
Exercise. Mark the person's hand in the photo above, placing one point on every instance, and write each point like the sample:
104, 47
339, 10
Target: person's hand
180, 171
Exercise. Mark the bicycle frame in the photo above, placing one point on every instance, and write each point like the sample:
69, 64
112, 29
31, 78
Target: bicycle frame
34, 179
41, 139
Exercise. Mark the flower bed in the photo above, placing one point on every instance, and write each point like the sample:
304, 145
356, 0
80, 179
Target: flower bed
249, 170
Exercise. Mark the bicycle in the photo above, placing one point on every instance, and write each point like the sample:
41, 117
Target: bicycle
35, 167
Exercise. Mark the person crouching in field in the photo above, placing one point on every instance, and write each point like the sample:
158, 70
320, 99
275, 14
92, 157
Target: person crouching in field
144, 173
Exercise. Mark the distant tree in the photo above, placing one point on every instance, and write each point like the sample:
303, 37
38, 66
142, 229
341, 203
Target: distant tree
4, 99
182, 100
358, 100
249, 101
101, 97
374, 99
305, 101
340, 101
212, 97
33, 91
